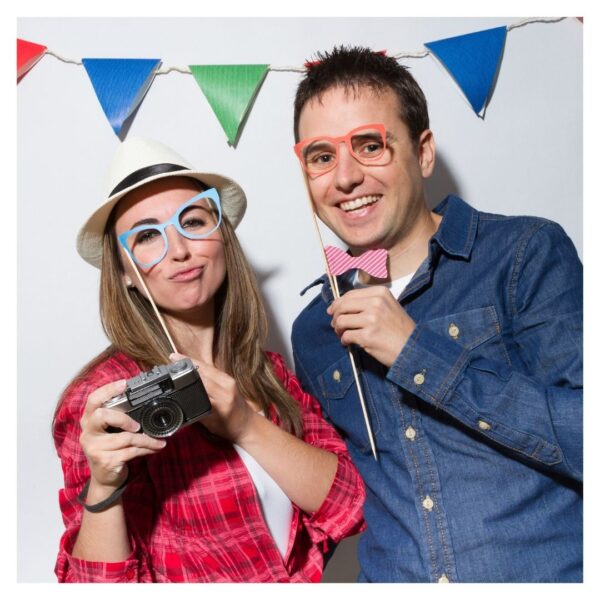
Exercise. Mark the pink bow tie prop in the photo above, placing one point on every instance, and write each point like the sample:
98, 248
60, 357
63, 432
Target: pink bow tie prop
373, 262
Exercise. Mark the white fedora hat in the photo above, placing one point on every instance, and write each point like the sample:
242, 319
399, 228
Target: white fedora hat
136, 162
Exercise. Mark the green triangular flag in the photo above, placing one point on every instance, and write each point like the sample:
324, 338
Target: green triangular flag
230, 90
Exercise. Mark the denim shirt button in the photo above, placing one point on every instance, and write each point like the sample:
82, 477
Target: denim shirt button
443, 579
337, 376
410, 433
453, 331
427, 503
419, 378
484, 425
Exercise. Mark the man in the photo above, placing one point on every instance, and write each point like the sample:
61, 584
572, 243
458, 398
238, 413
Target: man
471, 354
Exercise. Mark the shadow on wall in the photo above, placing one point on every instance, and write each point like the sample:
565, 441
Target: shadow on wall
441, 183
343, 565
276, 340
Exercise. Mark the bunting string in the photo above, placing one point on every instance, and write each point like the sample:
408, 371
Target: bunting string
302, 69
120, 84
525, 22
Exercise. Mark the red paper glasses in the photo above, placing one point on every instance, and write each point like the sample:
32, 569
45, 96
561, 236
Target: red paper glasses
367, 144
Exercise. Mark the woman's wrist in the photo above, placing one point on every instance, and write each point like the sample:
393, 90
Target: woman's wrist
97, 491
253, 430
96, 498
106, 485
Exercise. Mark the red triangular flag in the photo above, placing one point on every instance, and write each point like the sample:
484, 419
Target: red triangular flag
28, 54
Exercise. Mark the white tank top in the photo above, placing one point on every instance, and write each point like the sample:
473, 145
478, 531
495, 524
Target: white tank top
276, 507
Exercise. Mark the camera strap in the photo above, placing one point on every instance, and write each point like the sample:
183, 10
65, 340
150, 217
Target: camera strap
100, 506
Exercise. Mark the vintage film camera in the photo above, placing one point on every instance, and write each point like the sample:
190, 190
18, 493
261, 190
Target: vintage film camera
164, 399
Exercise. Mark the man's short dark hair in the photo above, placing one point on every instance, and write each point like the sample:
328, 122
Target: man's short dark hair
354, 67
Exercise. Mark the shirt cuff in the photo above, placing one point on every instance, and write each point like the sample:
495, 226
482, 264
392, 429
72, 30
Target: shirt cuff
429, 365
340, 514
77, 570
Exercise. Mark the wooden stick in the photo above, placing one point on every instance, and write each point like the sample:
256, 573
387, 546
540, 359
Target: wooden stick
363, 404
149, 296
336, 294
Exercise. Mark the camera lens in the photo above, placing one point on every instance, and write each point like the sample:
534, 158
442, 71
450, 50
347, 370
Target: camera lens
162, 419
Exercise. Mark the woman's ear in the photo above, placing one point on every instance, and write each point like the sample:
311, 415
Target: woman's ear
127, 281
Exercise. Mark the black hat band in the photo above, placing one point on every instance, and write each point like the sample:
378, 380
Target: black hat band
146, 173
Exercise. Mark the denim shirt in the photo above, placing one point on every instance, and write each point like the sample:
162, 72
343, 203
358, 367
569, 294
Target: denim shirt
478, 423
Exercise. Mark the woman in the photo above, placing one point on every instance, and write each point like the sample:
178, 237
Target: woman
252, 492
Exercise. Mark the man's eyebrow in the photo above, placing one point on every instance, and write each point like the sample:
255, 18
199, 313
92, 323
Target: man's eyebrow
317, 145
320, 142
366, 134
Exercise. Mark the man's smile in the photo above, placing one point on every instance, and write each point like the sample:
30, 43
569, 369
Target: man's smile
356, 203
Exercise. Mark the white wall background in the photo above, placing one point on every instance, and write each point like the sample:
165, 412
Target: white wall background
524, 158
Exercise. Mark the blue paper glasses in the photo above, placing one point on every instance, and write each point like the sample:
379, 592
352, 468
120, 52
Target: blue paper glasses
195, 219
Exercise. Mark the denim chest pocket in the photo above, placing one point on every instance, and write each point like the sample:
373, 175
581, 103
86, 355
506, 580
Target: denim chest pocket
338, 390
477, 330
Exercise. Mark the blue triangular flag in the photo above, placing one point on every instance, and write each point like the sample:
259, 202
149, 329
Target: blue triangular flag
120, 84
473, 61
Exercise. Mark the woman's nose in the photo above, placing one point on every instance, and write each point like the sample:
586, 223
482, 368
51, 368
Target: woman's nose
178, 245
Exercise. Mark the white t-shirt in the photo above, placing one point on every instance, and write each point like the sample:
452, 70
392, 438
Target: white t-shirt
276, 507
396, 287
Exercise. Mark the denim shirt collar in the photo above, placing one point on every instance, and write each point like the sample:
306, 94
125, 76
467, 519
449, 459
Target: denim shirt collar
344, 284
455, 236
458, 228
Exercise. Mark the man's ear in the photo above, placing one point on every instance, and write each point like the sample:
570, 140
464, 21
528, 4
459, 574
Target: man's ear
427, 153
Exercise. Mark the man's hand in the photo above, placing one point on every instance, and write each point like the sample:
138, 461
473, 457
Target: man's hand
374, 320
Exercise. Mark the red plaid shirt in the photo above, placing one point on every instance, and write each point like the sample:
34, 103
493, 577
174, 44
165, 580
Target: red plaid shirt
192, 510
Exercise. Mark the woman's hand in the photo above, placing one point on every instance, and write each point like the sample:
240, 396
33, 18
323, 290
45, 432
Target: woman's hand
109, 453
305, 473
231, 415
